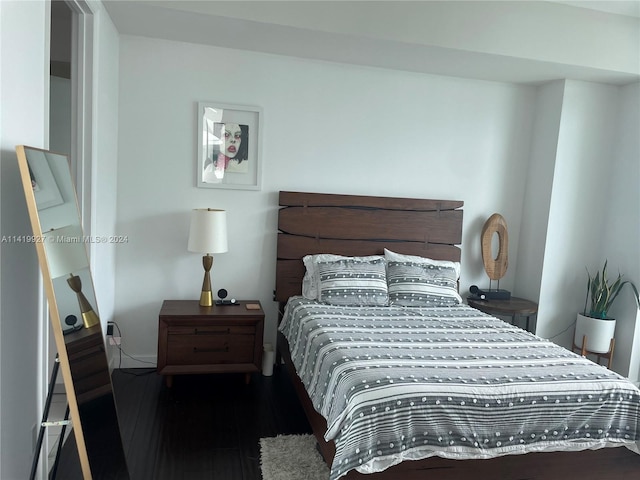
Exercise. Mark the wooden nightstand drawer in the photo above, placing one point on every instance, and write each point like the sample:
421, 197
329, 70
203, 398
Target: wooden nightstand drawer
210, 349
212, 330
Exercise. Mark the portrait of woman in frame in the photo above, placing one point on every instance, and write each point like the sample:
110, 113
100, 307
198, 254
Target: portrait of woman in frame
228, 147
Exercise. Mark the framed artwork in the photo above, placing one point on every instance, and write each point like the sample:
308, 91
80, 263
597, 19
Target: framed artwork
229, 146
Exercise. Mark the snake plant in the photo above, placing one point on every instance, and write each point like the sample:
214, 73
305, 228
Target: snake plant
602, 293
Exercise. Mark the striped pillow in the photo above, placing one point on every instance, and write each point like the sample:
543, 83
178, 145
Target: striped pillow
422, 285
349, 282
311, 280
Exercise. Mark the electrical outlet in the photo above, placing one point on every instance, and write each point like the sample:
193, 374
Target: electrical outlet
110, 328
115, 340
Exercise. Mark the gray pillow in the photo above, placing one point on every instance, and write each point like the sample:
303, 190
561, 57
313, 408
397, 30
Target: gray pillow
422, 285
350, 282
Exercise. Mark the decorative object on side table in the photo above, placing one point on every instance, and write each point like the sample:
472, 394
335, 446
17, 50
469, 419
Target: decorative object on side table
218, 339
496, 267
222, 298
207, 234
594, 328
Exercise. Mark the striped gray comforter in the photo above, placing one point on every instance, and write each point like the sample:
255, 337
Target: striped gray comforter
397, 383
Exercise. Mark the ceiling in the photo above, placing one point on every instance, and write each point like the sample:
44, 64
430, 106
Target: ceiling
512, 41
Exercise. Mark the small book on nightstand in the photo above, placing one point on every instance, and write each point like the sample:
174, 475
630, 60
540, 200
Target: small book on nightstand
253, 306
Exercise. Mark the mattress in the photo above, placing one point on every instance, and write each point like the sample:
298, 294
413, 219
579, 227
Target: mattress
400, 383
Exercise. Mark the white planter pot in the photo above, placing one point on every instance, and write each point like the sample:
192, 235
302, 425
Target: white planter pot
599, 333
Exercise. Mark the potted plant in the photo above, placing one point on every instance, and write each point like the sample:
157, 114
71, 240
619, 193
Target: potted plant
594, 324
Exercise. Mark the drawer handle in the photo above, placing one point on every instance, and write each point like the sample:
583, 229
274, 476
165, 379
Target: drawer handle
213, 332
210, 350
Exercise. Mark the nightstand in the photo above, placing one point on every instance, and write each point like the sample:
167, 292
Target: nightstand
217, 339
513, 307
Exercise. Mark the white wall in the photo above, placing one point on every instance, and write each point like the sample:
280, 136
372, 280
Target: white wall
621, 239
591, 210
327, 128
535, 214
105, 154
23, 118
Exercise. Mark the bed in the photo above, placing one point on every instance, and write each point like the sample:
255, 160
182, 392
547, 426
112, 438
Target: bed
438, 390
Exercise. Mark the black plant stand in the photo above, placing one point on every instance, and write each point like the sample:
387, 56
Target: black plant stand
46, 423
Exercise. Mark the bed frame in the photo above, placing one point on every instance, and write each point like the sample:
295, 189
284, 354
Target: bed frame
312, 223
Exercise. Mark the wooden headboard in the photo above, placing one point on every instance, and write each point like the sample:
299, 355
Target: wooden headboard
354, 225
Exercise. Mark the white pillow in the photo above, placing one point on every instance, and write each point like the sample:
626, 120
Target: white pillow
311, 279
400, 257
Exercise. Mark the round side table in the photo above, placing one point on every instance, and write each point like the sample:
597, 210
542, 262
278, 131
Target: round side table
514, 307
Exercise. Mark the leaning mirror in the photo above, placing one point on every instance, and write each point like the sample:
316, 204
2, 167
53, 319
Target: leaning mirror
60, 244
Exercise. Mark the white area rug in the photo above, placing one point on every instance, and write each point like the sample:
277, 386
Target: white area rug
291, 457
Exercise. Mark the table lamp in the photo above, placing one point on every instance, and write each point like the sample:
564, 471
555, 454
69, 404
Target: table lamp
66, 254
207, 234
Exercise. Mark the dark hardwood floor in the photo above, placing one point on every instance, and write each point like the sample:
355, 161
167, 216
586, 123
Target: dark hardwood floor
204, 427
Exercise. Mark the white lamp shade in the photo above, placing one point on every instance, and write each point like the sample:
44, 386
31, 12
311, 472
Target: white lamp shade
208, 231
65, 249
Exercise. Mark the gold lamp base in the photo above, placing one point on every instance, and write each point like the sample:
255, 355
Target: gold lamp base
90, 319
206, 299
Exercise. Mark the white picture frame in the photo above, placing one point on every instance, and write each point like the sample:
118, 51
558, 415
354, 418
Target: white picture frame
229, 146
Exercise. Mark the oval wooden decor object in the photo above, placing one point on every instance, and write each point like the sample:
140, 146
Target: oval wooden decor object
495, 267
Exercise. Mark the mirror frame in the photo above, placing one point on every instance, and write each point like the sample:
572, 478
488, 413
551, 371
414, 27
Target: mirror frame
100, 398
